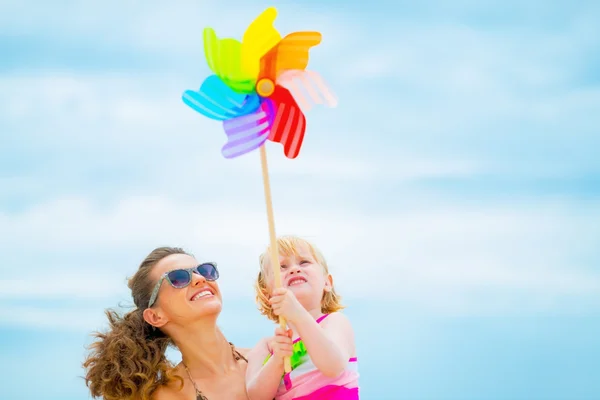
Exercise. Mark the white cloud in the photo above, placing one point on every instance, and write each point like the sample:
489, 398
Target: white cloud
458, 53
466, 89
154, 26
492, 258
433, 252
57, 319
69, 279
117, 119
77, 318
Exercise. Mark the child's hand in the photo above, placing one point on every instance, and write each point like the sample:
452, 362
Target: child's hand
284, 303
281, 345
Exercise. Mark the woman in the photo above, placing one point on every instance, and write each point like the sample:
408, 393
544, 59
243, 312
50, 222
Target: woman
177, 303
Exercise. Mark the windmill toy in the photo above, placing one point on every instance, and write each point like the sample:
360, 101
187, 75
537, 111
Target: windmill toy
259, 90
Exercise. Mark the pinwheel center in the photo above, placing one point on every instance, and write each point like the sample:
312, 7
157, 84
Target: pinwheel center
265, 87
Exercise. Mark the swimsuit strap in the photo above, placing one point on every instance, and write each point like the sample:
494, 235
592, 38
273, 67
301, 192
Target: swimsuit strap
322, 317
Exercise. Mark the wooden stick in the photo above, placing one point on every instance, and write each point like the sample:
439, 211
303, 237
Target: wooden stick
274, 253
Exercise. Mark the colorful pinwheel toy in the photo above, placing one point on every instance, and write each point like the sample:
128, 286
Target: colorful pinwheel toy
256, 90
250, 88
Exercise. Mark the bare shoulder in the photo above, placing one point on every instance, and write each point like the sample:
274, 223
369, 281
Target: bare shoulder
169, 392
338, 326
173, 390
337, 320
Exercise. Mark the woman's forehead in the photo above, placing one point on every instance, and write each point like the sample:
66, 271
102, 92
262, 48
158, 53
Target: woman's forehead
174, 261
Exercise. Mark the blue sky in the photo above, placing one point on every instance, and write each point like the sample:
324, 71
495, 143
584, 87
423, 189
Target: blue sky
455, 190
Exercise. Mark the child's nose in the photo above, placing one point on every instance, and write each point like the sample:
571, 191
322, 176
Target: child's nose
294, 269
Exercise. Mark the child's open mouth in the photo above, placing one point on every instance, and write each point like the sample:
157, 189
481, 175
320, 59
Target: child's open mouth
298, 280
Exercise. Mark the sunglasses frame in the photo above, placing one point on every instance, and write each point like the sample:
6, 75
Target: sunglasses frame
190, 272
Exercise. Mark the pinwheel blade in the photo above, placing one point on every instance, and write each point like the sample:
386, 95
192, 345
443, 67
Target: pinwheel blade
292, 52
248, 132
218, 101
260, 37
289, 123
224, 58
307, 88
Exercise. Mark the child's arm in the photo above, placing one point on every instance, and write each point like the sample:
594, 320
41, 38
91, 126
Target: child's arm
262, 381
329, 345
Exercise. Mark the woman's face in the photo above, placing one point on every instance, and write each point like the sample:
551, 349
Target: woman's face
201, 298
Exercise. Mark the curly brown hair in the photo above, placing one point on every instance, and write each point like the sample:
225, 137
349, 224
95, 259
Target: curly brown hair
128, 361
288, 245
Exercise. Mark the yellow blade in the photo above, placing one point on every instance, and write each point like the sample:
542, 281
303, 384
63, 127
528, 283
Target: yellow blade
259, 38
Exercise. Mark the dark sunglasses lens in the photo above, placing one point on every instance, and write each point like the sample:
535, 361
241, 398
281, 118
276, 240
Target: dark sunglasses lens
208, 271
179, 278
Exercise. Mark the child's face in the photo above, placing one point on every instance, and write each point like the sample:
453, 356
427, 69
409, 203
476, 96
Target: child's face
304, 276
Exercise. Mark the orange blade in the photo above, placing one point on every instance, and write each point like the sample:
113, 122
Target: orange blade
290, 53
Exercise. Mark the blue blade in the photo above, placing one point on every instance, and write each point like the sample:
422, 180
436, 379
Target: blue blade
218, 101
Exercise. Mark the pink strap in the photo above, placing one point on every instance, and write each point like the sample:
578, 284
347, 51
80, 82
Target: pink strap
321, 318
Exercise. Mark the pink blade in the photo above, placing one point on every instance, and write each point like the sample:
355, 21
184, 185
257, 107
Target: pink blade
246, 133
308, 88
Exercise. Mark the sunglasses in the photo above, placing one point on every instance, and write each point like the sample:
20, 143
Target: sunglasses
180, 278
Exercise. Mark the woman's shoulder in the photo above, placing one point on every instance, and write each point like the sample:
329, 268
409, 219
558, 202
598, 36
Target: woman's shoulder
171, 390
168, 393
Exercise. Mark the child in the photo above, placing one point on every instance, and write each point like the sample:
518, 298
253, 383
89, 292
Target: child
320, 341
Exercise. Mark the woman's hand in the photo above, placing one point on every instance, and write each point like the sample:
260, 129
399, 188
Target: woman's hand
281, 345
284, 303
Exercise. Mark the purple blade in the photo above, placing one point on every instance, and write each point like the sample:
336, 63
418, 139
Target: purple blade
246, 133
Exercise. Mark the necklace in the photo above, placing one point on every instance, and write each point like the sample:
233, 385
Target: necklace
199, 396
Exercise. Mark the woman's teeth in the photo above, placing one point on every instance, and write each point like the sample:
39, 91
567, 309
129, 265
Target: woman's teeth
201, 294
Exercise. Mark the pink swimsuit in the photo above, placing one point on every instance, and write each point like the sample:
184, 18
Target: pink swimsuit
306, 382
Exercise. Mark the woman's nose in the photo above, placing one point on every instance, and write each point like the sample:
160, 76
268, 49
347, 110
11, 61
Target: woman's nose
197, 278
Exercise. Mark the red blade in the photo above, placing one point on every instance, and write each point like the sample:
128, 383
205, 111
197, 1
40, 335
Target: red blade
289, 122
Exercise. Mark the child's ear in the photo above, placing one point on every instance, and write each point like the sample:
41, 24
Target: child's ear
328, 283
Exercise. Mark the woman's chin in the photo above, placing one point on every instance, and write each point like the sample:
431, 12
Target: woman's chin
212, 306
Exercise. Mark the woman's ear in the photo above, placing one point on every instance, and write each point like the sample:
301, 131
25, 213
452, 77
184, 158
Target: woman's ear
154, 317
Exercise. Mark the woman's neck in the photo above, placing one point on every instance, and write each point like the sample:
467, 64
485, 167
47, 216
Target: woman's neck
205, 351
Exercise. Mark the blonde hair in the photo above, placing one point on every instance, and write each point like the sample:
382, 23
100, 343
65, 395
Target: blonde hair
288, 246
